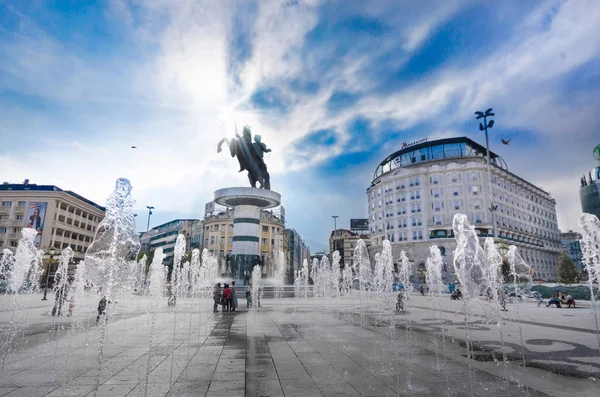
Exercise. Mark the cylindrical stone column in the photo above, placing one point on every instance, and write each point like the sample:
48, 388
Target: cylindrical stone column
247, 204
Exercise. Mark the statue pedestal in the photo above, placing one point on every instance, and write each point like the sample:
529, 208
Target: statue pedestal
247, 202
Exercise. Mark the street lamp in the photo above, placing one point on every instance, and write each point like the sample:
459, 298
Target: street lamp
334, 231
150, 208
484, 127
49, 259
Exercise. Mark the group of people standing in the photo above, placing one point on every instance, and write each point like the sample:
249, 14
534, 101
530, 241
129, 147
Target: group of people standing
226, 297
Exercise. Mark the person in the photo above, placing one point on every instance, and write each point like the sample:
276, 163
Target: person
569, 301
216, 297
228, 297
248, 297
35, 221
102, 307
400, 303
234, 302
422, 290
538, 298
458, 293
555, 300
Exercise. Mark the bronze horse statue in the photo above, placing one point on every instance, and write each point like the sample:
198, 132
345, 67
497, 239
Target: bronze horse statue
250, 156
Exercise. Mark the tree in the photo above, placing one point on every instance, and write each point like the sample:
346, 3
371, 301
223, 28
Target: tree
567, 271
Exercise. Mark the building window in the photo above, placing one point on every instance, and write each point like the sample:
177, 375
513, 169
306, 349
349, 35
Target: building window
19, 217
437, 191
222, 240
437, 205
475, 204
474, 190
438, 219
3, 217
13, 243
22, 203
7, 203
2, 230
454, 178
265, 241
434, 179
473, 176
265, 229
212, 240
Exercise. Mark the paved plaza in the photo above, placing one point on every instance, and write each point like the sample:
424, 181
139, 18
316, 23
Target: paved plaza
298, 347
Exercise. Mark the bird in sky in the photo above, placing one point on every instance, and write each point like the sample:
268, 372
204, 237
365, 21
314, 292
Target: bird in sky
134, 147
505, 141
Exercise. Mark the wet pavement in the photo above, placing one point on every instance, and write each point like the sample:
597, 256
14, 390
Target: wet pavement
289, 347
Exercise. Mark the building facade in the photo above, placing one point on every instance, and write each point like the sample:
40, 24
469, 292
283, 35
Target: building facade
570, 242
62, 217
298, 252
165, 236
344, 242
589, 192
219, 232
417, 190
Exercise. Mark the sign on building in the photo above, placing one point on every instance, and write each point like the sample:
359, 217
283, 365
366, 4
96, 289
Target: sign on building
359, 224
209, 208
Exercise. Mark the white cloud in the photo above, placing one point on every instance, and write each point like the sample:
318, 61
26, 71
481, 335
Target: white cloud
183, 98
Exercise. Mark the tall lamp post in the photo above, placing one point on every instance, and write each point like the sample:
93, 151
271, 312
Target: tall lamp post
150, 208
334, 232
484, 127
49, 260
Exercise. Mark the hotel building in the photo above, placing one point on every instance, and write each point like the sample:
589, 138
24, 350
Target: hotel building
417, 190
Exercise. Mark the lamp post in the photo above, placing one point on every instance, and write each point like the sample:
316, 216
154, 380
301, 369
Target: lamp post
150, 208
49, 259
334, 231
484, 127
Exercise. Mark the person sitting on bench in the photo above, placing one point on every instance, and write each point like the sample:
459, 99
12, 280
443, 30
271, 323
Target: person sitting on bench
569, 301
555, 300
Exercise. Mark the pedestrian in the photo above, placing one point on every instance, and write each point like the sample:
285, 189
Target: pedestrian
248, 297
227, 298
216, 297
102, 308
235, 298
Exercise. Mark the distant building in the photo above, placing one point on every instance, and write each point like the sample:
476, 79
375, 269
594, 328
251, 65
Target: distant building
571, 245
219, 230
589, 192
345, 242
298, 252
63, 218
165, 236
417, 190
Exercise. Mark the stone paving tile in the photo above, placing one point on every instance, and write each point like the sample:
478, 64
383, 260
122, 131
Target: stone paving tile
30, 392
181, 389
6, 390
71, 390
264, 388
224, 387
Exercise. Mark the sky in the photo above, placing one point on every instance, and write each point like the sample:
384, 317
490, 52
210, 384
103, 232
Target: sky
333, 87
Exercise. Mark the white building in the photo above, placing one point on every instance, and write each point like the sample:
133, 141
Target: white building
417, 191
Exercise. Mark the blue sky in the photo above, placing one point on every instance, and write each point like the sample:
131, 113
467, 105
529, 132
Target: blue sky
333, 87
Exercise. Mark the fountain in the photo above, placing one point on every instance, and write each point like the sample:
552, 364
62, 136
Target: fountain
590, 247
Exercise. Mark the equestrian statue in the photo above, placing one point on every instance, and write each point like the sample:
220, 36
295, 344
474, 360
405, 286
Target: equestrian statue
250, 156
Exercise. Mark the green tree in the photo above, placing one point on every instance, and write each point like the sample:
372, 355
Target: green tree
567, 271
